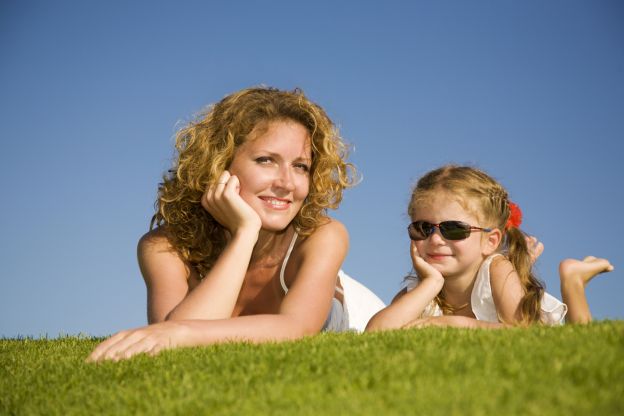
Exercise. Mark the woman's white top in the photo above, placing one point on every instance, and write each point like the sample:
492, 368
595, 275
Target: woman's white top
358, 306
482, 301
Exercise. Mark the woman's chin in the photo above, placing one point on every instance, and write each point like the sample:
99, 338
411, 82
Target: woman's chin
274, 227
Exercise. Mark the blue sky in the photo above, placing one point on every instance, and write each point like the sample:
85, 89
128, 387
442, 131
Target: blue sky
92, 93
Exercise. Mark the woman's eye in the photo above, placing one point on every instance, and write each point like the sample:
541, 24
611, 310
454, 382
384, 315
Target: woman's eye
303, 167
263, 160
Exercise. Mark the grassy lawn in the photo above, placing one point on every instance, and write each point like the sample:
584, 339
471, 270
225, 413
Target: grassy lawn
566, 370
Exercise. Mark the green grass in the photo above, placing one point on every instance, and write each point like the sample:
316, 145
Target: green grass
537, 371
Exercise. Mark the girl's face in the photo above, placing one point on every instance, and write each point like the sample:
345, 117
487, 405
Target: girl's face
452, 258
273, 167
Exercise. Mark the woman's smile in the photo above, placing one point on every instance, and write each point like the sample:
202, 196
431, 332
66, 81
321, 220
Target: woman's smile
279, 204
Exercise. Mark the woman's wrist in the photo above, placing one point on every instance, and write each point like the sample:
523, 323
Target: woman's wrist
249, 232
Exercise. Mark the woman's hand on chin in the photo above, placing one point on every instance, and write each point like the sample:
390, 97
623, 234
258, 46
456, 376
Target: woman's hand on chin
149, 339
223, 201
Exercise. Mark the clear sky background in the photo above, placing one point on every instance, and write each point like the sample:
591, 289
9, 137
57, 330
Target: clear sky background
91, 94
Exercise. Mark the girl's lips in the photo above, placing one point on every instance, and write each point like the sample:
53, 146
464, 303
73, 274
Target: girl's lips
275, 203
437, 256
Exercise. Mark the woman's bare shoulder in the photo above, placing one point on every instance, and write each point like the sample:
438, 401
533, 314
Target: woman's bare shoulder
331, 227
331, 234
155, 240
157, 257
155, 244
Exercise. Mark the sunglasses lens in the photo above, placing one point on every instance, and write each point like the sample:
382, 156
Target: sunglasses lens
454, 230
419, 230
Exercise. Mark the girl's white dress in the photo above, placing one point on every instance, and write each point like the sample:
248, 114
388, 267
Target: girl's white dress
358, 306
482, 302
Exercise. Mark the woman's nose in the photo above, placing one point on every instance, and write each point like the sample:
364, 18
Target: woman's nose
284, 179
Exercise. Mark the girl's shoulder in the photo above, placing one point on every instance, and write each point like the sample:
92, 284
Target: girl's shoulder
505, 286
500, 266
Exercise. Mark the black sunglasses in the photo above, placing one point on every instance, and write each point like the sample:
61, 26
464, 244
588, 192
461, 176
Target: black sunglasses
450, 230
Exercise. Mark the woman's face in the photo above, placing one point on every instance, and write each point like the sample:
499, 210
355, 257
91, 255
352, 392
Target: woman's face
273, 167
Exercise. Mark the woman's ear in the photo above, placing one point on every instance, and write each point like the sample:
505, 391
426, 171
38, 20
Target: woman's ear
492, 241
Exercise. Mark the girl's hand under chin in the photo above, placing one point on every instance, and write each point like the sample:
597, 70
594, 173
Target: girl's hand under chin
422, 268
223, 202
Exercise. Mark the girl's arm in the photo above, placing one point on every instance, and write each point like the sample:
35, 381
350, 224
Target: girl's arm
302, 312
507, 290
453, 321
407, 306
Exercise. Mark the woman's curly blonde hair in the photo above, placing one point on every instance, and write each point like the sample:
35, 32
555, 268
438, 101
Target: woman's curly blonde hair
206, 147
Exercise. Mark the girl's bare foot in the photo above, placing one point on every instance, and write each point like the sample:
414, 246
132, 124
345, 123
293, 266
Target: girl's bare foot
582, 271
575, 274
535, 247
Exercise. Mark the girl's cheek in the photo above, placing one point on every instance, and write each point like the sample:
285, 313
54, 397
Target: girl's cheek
420, 246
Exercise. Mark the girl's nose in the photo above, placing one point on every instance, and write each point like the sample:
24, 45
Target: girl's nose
436, 236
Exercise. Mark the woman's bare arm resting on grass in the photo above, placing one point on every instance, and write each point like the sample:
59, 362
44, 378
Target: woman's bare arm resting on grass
215, 296
302, 312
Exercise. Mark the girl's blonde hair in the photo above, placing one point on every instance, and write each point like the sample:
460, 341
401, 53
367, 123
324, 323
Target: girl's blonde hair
483, 196
206, 147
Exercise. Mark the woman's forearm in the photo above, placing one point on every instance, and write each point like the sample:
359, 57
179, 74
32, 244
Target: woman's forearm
250, 328
215, 297
187, 333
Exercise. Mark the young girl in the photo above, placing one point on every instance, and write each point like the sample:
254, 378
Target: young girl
243, 248
473, 266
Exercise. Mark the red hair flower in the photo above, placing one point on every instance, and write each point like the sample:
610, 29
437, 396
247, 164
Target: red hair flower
515, 216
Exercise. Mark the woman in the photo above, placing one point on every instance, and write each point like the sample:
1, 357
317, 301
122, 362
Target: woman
243, 249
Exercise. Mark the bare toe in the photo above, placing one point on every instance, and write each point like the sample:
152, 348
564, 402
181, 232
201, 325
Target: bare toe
535, 247
582, 271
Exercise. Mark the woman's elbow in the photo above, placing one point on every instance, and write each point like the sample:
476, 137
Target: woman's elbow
298, 328
375, 324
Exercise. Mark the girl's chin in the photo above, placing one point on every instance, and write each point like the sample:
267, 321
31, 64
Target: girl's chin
443, 270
